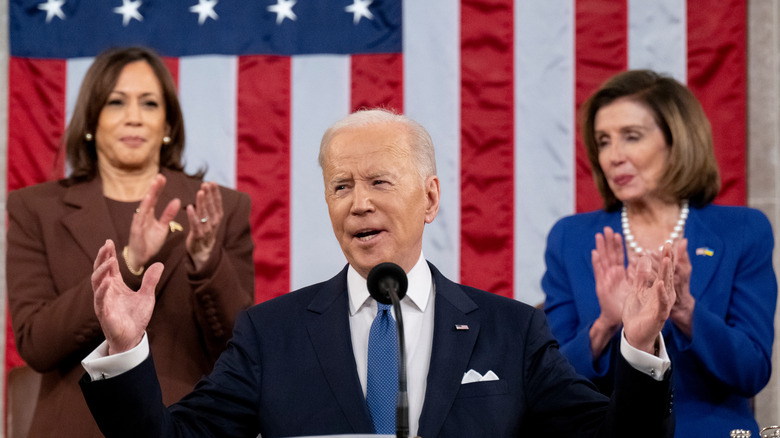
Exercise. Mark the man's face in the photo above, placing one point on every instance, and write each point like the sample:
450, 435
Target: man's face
377, 201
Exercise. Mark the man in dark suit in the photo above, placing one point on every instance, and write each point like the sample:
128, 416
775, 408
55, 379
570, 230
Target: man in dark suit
479, 364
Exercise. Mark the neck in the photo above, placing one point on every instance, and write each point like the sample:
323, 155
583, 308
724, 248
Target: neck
126, 186
650, 225
653, 213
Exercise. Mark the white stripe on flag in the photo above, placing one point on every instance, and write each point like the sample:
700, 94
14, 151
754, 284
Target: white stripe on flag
432, 97
544, 134
207, 92
75, 70
657, 35
320, 97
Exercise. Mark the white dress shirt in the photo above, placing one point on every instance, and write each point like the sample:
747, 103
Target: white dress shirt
417, 310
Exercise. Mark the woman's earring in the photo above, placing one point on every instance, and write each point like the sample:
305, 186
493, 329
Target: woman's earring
88, 136
166, 140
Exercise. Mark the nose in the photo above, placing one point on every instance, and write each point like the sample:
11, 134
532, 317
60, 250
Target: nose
614, 152
361, 199
133, 113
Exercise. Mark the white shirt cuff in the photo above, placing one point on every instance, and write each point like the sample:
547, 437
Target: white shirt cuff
653, 366
99, 365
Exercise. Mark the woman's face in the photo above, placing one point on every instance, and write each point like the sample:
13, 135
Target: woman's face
131, 125
632, 150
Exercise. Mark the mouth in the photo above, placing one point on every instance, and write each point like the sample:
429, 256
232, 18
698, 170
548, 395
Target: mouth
366, 235
622, 180
133, 140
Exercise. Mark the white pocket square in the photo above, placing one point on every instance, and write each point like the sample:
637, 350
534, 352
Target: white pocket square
472, 376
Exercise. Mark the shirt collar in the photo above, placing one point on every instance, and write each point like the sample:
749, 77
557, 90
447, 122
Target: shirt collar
420, 282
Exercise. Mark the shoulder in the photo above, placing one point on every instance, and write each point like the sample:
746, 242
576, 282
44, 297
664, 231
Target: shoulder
42, 193
315, 298
468, 299
729, 219
592, 220
191, 184
43, 189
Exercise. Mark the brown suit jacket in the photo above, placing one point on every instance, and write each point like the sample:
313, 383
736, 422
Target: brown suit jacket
54, 234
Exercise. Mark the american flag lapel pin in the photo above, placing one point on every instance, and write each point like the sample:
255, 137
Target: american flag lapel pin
705, 251
461, 327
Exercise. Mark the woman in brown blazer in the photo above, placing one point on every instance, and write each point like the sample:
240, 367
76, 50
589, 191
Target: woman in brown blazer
124, 145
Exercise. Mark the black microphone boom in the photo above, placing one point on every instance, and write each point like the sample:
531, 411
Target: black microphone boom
387, 284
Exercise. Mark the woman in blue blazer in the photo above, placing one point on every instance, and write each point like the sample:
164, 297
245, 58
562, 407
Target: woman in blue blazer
650, 148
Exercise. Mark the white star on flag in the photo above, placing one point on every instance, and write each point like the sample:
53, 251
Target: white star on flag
283, 9
359, 9
53, 8
205, 10
129, 10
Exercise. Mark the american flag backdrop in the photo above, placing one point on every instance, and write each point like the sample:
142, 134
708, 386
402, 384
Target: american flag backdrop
496, 82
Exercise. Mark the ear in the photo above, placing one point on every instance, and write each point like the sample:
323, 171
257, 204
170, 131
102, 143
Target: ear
432, 196
167, 130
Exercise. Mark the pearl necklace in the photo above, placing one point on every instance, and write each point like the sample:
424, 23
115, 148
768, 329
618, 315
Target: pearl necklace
629, 238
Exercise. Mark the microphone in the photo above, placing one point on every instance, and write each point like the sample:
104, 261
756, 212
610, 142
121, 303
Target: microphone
387, 284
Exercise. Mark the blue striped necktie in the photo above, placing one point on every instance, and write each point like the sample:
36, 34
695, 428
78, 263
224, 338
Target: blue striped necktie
382, 374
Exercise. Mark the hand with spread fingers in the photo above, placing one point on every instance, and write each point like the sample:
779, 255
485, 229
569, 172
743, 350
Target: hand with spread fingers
611, 288
649, 301
205, 218
123, 313
147, 233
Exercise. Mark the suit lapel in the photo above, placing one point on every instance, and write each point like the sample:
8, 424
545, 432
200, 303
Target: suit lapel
705, 250
328, 326
451, 352
88, 220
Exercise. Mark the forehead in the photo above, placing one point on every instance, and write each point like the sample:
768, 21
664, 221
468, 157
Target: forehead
622, 112
368, 145
138, 76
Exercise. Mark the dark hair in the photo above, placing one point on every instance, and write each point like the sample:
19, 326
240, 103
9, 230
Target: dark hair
96, 87
692, 171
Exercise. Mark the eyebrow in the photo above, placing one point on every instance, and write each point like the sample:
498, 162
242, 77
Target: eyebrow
148, 93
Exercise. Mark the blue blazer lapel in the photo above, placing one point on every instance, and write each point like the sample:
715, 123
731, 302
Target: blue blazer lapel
710, 250
451, 352
328, 327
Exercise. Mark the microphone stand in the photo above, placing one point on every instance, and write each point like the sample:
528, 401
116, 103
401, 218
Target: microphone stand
402, 406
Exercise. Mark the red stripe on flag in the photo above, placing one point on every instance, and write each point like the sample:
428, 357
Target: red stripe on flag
36, 117
487, 145
173, 67
717, 71
263, 166
377, 81
601, 50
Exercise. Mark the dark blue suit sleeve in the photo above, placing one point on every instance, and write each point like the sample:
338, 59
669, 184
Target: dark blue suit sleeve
562, 402
224, 404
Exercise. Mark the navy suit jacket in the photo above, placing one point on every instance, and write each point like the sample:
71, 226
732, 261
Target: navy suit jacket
728, 360
289, 370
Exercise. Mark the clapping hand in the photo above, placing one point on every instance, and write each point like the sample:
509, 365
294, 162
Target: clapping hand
123, 313
148, 234
650, 300
610, 275
611, 288
204, 219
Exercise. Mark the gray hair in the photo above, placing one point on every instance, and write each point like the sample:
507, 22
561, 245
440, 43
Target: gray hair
420, 141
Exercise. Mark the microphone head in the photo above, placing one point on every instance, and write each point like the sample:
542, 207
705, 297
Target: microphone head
384, 277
